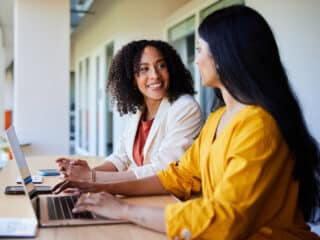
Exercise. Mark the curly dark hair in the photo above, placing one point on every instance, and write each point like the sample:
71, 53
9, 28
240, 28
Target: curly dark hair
124, 65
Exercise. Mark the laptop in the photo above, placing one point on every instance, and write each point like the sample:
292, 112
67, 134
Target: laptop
51, 210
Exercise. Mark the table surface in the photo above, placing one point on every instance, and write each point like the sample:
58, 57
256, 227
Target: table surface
18, 206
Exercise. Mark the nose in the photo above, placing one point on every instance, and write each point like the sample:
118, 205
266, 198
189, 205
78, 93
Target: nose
154, 73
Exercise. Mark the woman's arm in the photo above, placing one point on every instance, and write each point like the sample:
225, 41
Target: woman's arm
106, 172
113, 176
106, 205
106, 166
80, 170
145, 186
149, 217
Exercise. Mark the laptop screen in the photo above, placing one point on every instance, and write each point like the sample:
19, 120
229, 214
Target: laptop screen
21, 162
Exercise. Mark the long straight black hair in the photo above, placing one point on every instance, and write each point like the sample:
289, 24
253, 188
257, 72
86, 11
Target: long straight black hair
250, 68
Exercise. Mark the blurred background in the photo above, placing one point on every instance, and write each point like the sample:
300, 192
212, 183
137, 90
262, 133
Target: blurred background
55, 55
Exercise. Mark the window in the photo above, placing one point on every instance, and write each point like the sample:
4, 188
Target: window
108, 146
72, 112
94, 115
182, 37
79, 91
82, 102
97, 98
86, 115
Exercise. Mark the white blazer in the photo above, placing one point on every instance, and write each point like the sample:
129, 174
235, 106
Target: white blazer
173, 130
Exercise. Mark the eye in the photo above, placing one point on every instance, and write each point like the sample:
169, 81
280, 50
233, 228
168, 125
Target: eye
162, 65
143, 69
198, 49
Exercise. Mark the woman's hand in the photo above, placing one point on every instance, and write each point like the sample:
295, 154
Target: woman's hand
102, 204
77, 170
63, 164
108, 206
69, 186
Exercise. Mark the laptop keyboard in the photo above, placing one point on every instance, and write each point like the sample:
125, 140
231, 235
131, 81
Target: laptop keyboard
61, 208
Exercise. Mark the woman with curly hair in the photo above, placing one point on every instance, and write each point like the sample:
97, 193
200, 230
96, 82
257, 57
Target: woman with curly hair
255, 162
151, 86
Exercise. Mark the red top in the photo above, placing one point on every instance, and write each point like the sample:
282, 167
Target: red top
140, 140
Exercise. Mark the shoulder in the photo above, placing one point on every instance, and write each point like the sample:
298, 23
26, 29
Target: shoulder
131, 119
215, 114
257, 115
185, 107
213, 118
255, 119
185, 101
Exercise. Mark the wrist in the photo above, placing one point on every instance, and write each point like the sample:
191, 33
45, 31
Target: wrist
125, 210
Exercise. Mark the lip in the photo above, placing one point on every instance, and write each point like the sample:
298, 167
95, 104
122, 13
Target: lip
156, 85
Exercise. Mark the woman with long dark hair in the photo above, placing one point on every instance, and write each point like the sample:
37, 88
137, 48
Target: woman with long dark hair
255, 162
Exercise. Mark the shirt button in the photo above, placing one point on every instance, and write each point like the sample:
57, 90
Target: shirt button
186, 234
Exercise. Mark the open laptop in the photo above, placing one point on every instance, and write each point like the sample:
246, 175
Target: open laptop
51, 210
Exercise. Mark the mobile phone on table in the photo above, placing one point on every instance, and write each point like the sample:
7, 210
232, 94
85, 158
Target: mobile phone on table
49, 172
20, 189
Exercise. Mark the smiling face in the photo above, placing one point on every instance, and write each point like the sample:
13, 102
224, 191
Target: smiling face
152, 78
207, 65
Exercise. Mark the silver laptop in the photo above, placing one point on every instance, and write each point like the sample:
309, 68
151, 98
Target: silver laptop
51, 210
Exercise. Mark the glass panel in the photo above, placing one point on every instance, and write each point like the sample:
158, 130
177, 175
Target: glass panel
182, 38
80, 105
86, 106
72, 111
109, 114
97, 102
182, 29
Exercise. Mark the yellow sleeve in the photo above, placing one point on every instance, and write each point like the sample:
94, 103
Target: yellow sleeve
183, 178
254, 161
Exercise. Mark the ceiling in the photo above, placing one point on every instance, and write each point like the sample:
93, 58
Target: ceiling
78, 9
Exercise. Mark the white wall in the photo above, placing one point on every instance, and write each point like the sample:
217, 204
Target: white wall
41, 72
2, 80
8, 92
296, 27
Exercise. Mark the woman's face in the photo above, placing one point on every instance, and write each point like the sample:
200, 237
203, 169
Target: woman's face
207, 65
152, 78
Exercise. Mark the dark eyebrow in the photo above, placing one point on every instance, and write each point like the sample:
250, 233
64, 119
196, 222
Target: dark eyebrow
157, 61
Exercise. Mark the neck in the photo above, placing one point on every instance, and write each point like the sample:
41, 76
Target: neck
232, 105
151, 108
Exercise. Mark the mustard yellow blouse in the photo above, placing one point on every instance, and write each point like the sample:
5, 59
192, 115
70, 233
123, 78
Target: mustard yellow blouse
245, 177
